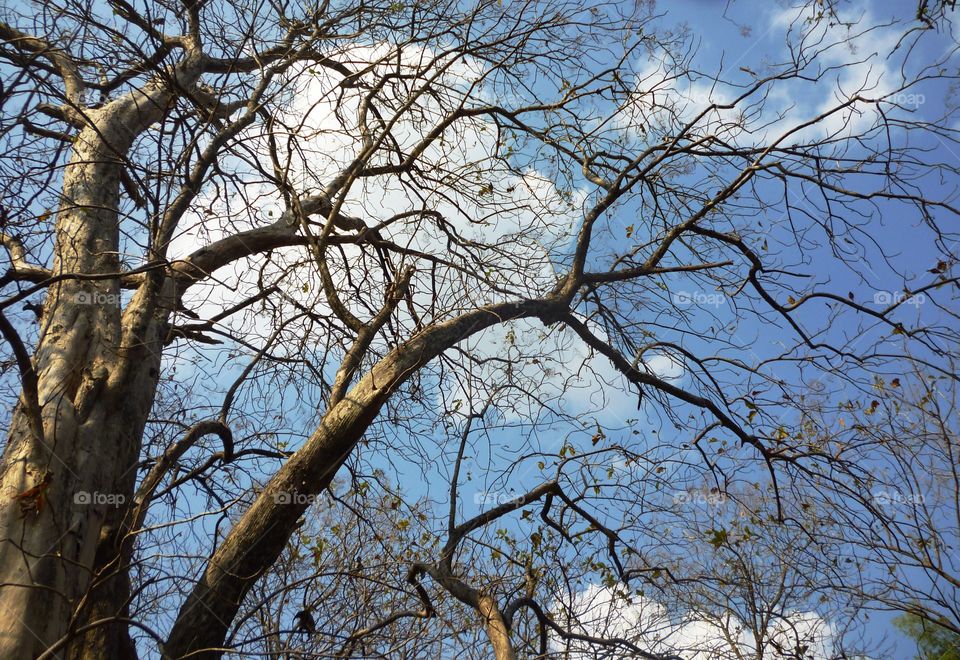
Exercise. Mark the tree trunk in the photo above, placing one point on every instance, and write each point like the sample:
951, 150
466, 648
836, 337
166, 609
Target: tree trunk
46, 555
96, 367
497, 629
261, 534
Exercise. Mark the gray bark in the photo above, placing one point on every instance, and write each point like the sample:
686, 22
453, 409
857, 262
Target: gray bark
96, 367
263, 530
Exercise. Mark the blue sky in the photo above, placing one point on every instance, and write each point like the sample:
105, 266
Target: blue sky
734, 41
746, 38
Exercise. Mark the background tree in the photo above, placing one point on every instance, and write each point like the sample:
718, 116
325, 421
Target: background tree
528, 245
933, 641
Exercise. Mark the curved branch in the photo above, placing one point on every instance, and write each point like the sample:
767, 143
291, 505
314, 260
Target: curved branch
261, 533
20, 269
149, 484
547, 622
28, 377
65, 66
642, 378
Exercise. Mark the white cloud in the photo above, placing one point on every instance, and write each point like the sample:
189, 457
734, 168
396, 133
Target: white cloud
510, 221
856, 55
601, 612
666, 100
665, 366
552, 364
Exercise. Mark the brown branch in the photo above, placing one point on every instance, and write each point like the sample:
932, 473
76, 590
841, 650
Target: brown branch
260, 535
63, 62
20, 270
28, 377
141, 499
642, 378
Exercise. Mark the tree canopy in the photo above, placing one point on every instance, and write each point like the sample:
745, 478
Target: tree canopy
513, 328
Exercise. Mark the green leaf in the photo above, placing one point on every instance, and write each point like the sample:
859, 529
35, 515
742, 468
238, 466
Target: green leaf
717, 537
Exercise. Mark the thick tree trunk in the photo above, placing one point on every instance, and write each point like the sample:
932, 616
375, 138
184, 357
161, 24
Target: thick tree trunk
109, 591
96, 368
46, 555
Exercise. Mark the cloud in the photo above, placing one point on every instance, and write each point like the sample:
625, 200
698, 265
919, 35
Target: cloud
667, 99
502, 225
665, 366
856, 55
600, 611
552, 364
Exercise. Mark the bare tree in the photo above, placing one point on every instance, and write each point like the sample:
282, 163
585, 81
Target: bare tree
254, 245
908, 518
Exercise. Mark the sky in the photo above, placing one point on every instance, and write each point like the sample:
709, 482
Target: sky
734, 41
735, 36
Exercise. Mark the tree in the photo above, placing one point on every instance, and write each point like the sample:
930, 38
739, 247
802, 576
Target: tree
255, 245
932, 640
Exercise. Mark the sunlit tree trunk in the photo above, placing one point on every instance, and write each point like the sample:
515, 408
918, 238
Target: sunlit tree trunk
78, 436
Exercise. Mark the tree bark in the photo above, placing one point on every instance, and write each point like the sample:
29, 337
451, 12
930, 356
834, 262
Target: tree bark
96, 367
497, 629
43, 555
261, 534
